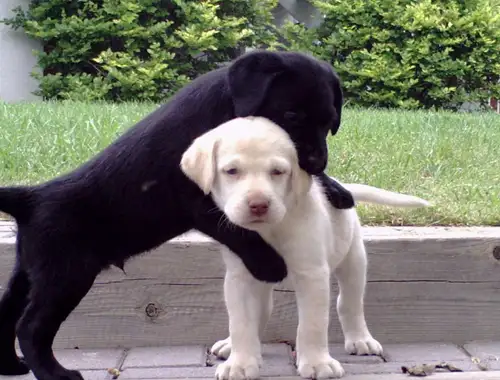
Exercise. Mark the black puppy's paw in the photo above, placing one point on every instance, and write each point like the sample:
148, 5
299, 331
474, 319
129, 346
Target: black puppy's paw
14, 367
338, 196
68, 375
341, 200
269, 270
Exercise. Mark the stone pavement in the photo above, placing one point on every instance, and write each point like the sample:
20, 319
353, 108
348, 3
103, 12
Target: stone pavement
478, 360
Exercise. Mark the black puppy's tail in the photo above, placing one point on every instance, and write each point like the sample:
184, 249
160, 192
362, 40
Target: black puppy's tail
17, 202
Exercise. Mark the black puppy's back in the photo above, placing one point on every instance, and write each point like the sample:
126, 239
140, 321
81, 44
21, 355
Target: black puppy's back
134, 186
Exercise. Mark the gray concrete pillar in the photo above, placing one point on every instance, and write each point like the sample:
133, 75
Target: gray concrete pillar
16, 58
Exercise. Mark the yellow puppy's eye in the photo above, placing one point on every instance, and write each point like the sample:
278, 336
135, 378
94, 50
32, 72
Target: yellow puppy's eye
276, 172
231, 171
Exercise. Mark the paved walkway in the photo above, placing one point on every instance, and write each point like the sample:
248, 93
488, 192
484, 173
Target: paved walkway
477, 360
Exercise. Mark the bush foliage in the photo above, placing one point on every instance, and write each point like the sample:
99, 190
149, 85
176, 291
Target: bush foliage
389, 53
407, 53
138, 49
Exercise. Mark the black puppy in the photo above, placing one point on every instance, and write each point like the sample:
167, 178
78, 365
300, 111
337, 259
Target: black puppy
133, 196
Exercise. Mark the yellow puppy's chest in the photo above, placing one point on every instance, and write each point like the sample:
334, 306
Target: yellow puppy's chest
305, 230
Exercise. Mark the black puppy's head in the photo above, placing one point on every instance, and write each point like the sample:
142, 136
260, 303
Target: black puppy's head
297, 92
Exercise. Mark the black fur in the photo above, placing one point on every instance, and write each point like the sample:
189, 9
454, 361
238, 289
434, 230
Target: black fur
132, 197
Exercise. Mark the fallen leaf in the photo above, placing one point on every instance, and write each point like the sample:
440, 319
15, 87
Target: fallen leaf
114, 372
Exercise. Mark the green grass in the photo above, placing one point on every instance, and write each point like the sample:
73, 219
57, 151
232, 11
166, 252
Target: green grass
450, 159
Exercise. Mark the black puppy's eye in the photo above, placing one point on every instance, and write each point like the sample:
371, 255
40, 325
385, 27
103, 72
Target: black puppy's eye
291, 115
231, 171
294, 115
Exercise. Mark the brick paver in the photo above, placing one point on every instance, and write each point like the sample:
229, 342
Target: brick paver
93, 364
423, 352
398, 355
87, 375
181, 356
168, 373
488, 353
194, 362
90, 359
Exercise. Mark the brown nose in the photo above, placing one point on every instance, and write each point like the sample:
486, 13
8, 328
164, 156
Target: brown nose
258, 207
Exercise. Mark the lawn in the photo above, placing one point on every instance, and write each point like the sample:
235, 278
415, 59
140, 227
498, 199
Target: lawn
450, 159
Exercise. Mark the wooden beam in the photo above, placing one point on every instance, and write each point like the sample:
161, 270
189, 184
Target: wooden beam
424, 285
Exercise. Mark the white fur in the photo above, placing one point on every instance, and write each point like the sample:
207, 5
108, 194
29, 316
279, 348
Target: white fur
365, 193
248, 159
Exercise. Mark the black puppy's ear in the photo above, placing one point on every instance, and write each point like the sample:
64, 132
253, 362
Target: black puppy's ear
250, 77
338, 96
338, 100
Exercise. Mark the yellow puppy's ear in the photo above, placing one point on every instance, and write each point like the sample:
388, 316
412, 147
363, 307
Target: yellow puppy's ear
198, 161
301, 182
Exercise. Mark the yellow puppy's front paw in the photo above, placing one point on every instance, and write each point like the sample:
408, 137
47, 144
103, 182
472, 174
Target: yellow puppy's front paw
222, 348
237, 367
364, 346
315, 367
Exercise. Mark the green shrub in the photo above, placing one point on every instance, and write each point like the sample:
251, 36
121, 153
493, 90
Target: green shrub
408, 53
138, 49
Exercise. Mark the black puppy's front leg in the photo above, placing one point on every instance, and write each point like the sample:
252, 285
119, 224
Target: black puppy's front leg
261, 260
338, 196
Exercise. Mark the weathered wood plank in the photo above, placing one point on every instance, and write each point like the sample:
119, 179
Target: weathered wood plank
438, 286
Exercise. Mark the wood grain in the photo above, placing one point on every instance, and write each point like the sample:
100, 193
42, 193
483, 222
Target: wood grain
425, 285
